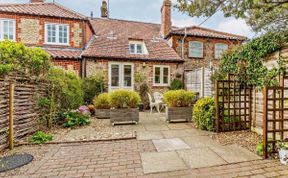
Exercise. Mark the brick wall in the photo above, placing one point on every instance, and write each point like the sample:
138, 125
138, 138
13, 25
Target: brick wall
31, 29
72, 65
208, 50
95, 67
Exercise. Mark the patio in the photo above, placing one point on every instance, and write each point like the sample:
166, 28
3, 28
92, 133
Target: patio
161, 150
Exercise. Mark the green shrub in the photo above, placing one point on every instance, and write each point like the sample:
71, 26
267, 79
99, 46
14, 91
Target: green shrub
102, 101
204, 114
40, 138
259, 148
67, 89
92, 86
179, 98
18, 57
176, 84
74, 119
124, 98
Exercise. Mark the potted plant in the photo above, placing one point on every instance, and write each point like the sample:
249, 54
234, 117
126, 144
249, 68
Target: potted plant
283, 150
180, 105
102, 106
124, 105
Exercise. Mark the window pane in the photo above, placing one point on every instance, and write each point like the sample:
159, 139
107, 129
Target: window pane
139, 48
157, 75
132, 48
219, 49
196, 49
114, 75
165, 75
127, 75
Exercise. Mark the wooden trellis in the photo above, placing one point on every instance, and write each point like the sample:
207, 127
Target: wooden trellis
233, 105
275, 120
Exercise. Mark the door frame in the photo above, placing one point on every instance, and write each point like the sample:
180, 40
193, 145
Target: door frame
121, 75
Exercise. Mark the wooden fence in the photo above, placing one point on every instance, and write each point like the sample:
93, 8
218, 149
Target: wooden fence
27, 93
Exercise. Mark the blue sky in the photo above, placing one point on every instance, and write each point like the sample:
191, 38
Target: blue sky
149, 11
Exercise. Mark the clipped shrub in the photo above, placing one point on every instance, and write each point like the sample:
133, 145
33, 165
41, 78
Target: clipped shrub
176, 84
67, 89
92, 86
40, 138
102, 101
74, 119
204, 114
179, 98
124, 99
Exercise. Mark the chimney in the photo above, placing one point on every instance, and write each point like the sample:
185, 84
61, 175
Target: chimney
37, 1
104, 9
166, 23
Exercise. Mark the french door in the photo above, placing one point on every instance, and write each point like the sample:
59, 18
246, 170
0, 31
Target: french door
121, 76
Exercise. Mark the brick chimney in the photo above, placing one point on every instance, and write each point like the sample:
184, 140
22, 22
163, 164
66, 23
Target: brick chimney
166, 23
104, 9
37, 1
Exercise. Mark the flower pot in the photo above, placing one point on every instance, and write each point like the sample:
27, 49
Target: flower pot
179, 114
125, 115
283, 155
102, 113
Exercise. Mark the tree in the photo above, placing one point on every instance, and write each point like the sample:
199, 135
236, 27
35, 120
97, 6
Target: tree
259, 14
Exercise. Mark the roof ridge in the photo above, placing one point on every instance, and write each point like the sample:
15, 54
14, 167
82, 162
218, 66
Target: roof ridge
134, 21
69, 10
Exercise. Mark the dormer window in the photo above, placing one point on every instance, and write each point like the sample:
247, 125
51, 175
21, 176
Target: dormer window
57, 34
137, 47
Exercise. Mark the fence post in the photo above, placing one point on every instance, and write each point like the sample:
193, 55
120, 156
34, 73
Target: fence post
11, 115
265, 94
217, 105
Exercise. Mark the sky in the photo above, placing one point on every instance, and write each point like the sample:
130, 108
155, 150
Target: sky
149, 11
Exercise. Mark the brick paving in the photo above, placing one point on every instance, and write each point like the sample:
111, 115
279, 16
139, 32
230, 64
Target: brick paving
122, 159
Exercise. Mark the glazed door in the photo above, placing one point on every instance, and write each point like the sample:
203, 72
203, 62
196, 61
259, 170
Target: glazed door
121, 76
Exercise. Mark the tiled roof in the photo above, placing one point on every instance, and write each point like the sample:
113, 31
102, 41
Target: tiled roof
64, 53
205, 32
44, 9
118, 46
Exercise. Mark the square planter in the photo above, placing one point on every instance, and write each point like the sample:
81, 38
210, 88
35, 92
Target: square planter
179, 114
102, 113
125, 115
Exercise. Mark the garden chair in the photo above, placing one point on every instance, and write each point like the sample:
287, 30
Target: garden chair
158, 97
153, 104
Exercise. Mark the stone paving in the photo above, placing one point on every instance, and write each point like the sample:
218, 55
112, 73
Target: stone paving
191, 153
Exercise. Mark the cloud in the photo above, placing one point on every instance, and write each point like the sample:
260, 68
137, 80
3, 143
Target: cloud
235, 26
183, 22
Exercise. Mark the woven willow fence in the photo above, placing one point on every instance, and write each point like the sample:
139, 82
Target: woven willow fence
27, 92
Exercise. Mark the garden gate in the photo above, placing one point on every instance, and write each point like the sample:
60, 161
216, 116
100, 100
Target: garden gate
233, 105
275, 118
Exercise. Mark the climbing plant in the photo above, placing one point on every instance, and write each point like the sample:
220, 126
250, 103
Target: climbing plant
247, 61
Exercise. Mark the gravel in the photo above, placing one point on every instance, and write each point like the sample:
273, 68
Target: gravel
246, 139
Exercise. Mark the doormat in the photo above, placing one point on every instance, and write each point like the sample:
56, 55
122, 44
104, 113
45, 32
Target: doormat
14, 161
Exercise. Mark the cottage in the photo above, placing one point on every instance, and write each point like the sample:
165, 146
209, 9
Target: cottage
116, 48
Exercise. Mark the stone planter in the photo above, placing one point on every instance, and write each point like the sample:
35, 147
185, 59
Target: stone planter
179, 114
283, 155
102, 113
125, 115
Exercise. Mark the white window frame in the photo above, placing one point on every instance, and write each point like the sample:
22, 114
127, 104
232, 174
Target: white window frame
135, 43
161, 75
57, 34
217, 57
2, 29
190, 50
121, 76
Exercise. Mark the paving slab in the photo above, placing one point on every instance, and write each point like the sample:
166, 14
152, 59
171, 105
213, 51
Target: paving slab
234, 153
181, 126
149, 135
163, 145
175, 133
200, 141
194, 131
200, 157
161, 162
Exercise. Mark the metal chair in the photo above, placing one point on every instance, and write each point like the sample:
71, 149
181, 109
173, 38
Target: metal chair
153, 104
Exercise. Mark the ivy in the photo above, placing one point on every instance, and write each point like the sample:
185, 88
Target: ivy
247, 61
